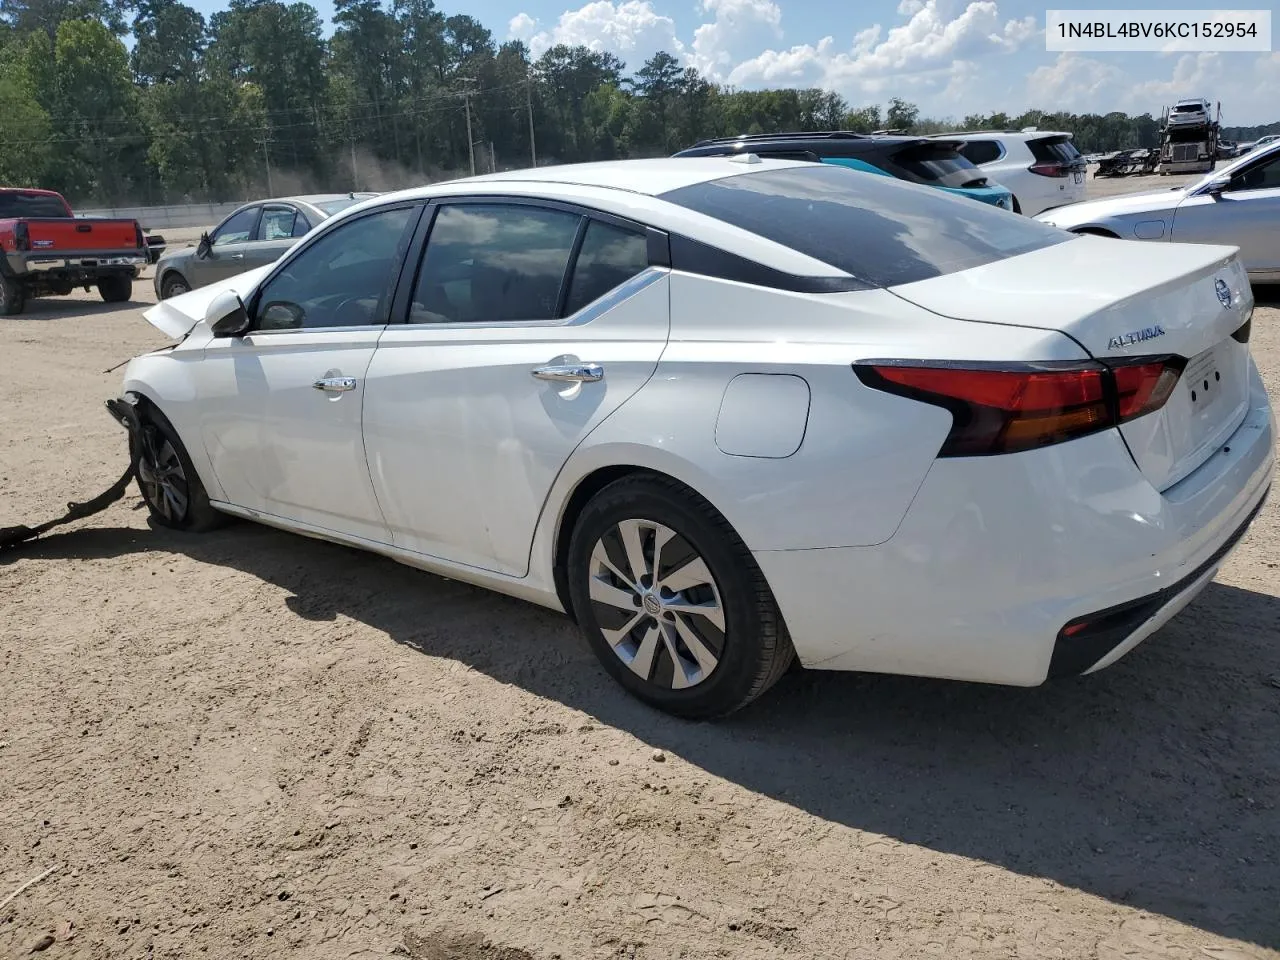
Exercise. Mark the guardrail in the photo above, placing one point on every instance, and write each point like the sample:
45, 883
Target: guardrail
172, 216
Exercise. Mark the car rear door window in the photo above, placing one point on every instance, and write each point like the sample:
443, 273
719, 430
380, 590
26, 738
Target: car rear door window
981, 151
494, 263
608, 258
301, 226
238, 228
276, 223
343, 279
877, 229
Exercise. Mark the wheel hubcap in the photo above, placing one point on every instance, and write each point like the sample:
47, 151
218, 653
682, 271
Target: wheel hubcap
657, 604
160, 473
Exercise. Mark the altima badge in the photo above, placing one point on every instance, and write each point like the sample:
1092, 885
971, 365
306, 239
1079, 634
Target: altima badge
1137, 336
1224, 293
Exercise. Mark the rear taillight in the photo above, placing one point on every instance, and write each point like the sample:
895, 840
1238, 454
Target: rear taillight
1050, 169
137, 230
1143, 386
1005, 408
21, 237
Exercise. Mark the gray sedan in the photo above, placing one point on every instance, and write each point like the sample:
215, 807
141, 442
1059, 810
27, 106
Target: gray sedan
252, 235
1238, 205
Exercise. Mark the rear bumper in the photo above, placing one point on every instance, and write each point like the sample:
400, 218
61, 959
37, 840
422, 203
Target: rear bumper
76, 265
997, 555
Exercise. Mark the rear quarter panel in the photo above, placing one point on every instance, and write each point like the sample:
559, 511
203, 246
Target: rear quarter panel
863, 454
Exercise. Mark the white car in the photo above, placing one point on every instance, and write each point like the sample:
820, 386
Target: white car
1042, 169
1237, 205
725, 410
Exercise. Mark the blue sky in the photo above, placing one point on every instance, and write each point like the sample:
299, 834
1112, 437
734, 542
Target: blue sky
952, 57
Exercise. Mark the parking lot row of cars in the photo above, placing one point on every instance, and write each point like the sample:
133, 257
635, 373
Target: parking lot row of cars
1034, 173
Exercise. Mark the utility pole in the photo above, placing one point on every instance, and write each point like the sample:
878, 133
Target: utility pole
528, 101
266, 138
493, 162
355, 177
466, 100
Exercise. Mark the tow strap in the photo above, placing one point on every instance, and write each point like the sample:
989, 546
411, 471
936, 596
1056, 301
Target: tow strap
13, 537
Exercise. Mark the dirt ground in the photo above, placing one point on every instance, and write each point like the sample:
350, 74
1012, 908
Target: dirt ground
251, 745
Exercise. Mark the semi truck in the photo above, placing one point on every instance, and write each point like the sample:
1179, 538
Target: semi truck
1189, 137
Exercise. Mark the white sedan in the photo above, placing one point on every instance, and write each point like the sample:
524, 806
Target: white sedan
730, 412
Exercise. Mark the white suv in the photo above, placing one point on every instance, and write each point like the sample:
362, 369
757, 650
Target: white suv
1042, 168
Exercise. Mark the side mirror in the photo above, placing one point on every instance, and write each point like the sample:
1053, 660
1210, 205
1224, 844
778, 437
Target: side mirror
204, 246
226, 315
1217, 186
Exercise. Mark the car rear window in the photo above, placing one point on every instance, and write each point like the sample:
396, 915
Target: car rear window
1054, 150
940, 166
880, 230
35, 205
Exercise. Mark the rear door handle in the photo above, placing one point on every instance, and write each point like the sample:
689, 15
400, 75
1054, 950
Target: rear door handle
570, 372
236, 256
335, 384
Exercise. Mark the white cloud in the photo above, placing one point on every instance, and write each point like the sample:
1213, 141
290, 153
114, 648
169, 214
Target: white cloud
632, 29
521, 27
927, 44
739, 29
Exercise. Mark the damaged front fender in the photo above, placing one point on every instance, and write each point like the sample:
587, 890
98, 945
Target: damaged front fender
178, 316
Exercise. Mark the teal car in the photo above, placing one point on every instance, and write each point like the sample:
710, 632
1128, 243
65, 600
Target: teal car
933, 163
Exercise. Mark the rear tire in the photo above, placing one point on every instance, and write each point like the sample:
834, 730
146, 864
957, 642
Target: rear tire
13, 299
167, 479
696, 632
174, 285
116, 289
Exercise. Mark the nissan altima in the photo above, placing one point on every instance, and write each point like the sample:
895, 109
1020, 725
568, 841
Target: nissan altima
727, 413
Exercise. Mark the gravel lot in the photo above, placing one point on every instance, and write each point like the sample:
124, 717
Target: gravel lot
250, 744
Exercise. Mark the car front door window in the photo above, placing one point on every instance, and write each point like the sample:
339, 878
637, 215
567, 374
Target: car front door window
343, 279
1262, 176
237, 229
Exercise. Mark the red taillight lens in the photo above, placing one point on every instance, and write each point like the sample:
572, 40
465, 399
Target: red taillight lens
1049, 169
1007, 408
1143, 387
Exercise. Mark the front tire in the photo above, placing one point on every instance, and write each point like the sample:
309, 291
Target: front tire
167, 479
174, 285
13, 299
117, 288
671, 600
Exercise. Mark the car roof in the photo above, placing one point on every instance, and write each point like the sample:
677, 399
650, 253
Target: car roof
1004, 134
631, 189
647, 177
831, 142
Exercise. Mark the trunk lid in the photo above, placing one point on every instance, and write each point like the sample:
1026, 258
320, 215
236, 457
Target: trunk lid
81, 234
1122, 299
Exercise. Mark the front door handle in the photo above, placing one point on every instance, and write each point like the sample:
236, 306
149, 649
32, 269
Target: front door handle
236, 256
335, 384
570, 372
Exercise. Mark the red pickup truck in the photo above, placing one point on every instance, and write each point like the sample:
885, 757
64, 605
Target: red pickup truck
46, 250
